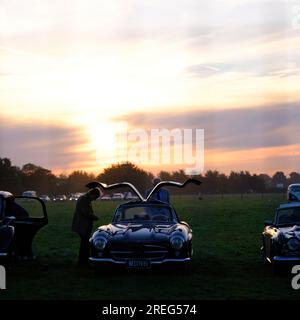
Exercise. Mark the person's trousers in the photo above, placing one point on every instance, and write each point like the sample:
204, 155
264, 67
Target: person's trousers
84, 251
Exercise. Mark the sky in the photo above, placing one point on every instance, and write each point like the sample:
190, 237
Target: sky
72, 71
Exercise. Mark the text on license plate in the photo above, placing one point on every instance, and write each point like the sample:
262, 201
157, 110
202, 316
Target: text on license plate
143, 264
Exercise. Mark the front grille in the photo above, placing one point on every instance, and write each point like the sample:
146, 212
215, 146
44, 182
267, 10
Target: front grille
139, 252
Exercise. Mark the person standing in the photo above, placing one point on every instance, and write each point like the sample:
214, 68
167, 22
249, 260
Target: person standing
83, 222
161, 194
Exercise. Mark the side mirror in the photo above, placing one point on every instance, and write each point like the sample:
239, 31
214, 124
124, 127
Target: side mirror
268, 223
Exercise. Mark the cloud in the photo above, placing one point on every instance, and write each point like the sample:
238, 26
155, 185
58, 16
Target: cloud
200, 70
247, 128
52, 146
260, 139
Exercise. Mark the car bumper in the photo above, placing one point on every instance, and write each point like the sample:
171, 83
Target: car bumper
102, 261
286, 258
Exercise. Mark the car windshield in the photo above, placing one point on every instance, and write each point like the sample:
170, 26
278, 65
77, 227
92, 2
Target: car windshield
288, 216
295, 189
144, 213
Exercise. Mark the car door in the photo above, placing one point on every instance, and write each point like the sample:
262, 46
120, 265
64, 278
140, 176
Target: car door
6, 232
30, 216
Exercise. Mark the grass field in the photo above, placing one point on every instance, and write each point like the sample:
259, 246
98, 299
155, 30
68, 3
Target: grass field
226, 265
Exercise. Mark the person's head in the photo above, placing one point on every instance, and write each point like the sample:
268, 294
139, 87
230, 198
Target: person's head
94, 194
156, 181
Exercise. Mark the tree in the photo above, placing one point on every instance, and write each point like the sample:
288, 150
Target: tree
279, 180
223, 183
266, 179
294, 177
234, 182
127, 172
257, 184
76, 181
10, 179
165, 176
37, 178
211, 181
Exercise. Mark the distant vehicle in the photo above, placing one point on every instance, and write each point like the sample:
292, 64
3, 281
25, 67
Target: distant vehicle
143, 233
45, 198
29, 194
293, 192
281, 237
19, 226
75, 196
117, 196
105, 197
60, 198
129, 196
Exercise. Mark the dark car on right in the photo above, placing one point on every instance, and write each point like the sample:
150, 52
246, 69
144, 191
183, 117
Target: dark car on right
281, 236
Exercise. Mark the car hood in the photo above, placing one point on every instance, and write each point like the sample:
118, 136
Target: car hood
284, 234
139, 232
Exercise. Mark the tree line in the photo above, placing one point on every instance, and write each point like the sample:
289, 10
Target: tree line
33, 177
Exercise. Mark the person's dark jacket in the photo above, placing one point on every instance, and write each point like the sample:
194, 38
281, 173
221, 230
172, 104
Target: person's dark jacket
161, 195
83, 216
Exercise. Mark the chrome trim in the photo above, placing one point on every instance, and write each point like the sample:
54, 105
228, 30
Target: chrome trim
161, 251
3, 254
144, 252
106, 260
99, 260
119, 251
280, 258
171, 260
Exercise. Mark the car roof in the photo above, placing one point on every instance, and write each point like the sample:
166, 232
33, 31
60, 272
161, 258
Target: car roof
294, 185
289, 205
5, 194
137, 203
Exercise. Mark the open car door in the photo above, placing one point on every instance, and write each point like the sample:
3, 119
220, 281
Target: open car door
30, 216
160, 185
6, 233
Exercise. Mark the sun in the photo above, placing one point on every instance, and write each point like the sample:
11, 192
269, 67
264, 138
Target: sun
102, 141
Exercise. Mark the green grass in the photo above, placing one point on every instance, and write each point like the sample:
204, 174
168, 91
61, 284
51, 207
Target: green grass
226, 265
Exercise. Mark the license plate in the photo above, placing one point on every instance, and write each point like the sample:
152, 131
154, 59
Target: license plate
139, 264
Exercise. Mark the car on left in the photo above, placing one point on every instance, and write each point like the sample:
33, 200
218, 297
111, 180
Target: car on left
20, 221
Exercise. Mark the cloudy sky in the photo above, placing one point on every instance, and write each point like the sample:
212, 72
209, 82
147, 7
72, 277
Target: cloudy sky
71, 70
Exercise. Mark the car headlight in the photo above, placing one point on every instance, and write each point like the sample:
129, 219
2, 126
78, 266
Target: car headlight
177, 242
293, 244
100, 243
